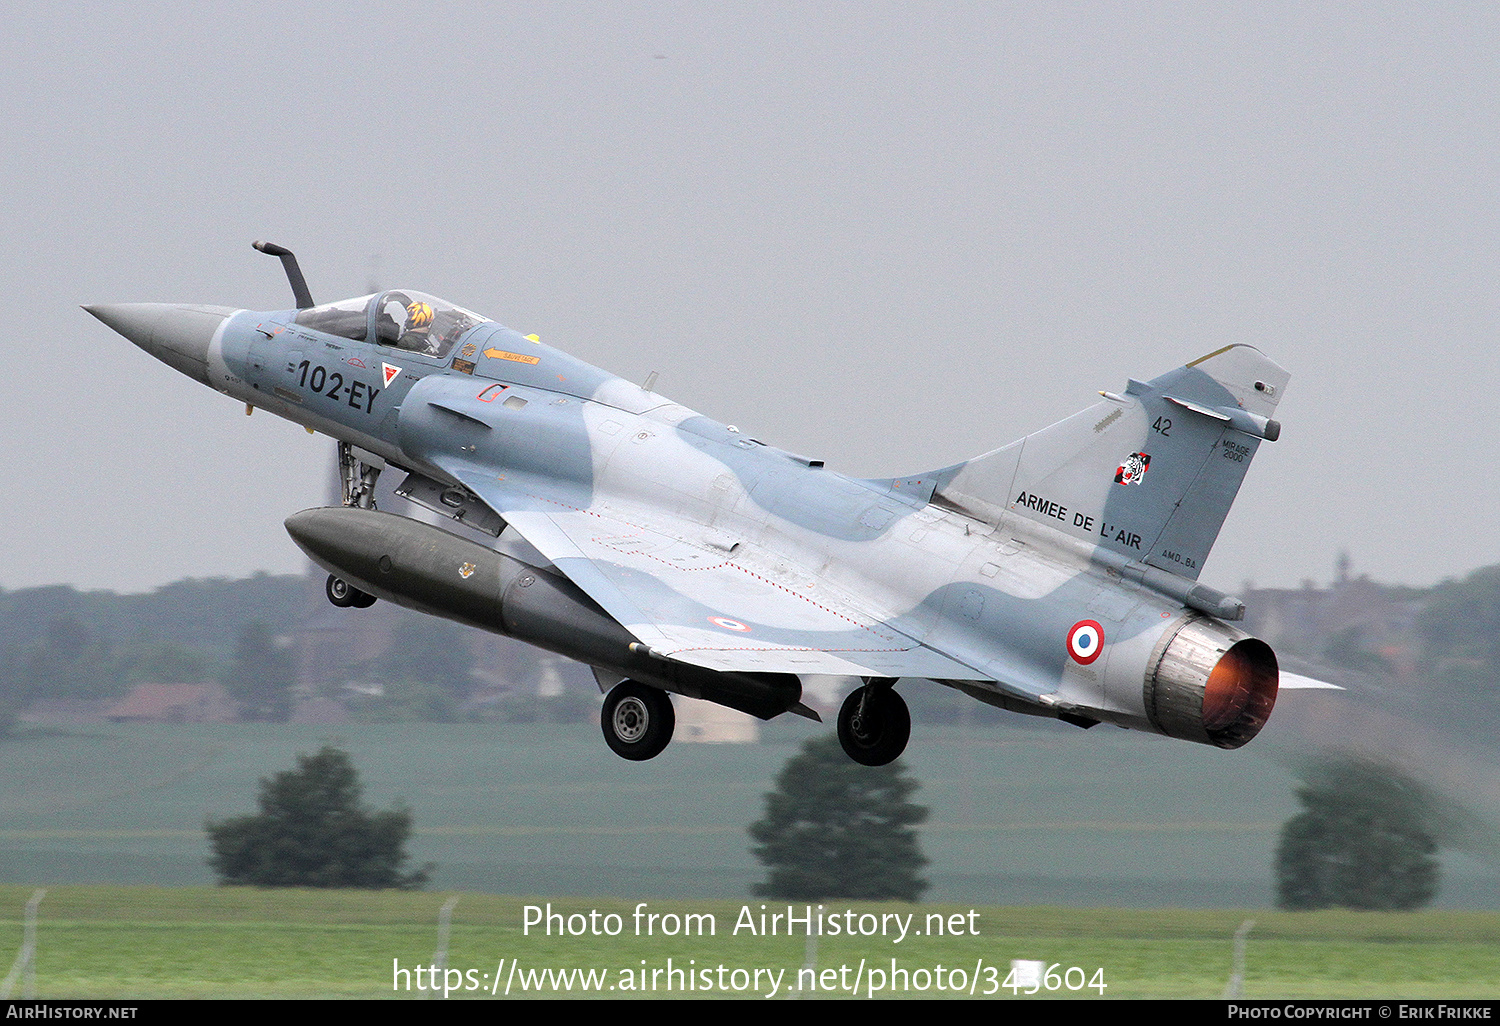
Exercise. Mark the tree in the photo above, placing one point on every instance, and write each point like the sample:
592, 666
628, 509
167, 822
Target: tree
65, 659
836, 829
313, 831
426, 650
262, 675
1461, 619
1364, 840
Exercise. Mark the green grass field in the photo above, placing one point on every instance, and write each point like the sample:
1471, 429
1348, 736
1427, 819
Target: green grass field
147, 942
1020, 817
1020, 814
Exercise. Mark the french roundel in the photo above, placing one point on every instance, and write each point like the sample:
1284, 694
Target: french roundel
1085, 641
727, 624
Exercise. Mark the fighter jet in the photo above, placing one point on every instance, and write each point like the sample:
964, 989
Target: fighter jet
1056, 576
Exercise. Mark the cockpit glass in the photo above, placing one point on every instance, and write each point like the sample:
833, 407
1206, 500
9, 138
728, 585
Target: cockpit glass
346, 319
419, 323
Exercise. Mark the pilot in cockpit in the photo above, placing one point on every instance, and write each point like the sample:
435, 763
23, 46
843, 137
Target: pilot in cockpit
406, 323
419, 323
418, 337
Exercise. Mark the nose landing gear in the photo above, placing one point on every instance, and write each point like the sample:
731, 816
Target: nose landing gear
358, 480
343, 594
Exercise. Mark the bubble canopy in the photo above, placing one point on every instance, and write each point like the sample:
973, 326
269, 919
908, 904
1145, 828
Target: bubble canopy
400, 318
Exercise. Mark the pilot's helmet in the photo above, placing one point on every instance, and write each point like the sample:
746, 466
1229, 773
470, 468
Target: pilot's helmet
418, 316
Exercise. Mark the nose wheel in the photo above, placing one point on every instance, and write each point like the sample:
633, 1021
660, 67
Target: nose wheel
874, 725
637, 720
343, 594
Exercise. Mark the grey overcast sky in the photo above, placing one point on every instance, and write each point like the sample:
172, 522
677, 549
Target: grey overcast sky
892, 235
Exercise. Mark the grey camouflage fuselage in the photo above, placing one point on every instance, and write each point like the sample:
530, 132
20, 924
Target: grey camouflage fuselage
1055, 576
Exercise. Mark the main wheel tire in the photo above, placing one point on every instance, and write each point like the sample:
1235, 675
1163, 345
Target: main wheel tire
340, 592
877, 734
363, 599
637, 720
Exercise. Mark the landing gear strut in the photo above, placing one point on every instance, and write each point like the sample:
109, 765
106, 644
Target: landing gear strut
358, 480
874, 724
357, 477
637, 720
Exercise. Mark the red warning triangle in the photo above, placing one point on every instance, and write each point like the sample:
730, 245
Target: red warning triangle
390, 371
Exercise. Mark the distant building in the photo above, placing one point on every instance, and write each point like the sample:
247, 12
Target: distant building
334, 652
710, 723
1354, 623
174, 703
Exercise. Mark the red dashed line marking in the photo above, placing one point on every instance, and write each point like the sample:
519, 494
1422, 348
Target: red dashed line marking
736, 566
730, 564
804, 598
604, 540
783, 648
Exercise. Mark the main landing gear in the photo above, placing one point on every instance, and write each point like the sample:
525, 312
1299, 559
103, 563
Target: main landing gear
637, 720
874, 723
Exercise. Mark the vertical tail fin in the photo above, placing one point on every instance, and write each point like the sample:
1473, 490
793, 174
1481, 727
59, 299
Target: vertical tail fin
1149, 474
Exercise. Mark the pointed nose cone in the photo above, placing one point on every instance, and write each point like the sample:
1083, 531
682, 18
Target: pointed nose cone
176, 335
